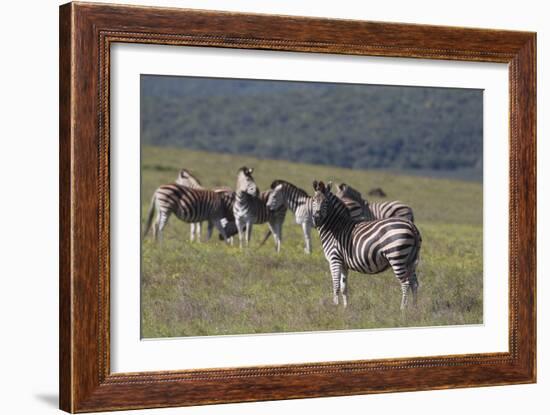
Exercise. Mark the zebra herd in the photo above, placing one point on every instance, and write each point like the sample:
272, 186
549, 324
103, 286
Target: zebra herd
356, 234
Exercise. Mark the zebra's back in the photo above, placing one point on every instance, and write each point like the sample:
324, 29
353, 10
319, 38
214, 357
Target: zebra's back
189, 205
392, 209
371, 245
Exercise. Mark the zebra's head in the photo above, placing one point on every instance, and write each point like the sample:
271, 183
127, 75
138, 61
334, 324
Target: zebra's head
344, 190
276, 197
185, 178
246, 183
320, 205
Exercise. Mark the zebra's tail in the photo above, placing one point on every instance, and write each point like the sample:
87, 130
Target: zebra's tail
266, 237
150, 215
414, 257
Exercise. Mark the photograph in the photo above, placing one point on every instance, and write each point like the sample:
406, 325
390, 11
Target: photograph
273, 206
261, 204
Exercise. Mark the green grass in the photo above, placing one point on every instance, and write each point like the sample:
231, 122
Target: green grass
214, 289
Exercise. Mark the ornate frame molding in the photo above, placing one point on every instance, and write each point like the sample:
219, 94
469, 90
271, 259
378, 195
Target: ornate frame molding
86, 33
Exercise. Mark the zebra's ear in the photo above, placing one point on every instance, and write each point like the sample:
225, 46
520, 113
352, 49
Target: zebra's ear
342, 186
315, 185
250, 171
329, 186
321, 187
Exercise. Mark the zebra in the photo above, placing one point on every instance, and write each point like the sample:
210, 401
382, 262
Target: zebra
375, 210
189, 205
186, 178
368, 247
285, 194
250, 208
300, 203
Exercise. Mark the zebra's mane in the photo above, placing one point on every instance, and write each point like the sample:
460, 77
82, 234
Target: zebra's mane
336, 204
276, 183
191, 176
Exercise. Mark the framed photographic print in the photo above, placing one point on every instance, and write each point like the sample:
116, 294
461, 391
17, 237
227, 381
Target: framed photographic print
260, 207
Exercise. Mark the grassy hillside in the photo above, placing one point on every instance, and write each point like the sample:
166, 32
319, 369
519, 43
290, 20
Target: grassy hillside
212, 289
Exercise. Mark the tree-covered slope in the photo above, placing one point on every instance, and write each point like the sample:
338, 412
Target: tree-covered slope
354, 126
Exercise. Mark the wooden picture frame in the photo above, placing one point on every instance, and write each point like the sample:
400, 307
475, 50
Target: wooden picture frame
86, 33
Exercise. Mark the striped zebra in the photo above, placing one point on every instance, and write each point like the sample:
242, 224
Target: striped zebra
285, 194
375, 210
189, 205
186, 178
250, 208
300, 203
368, 247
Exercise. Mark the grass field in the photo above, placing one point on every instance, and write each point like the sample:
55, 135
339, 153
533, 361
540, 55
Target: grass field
214, 289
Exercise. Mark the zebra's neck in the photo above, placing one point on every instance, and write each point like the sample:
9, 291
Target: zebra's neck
338, 221
243, 197
294, 197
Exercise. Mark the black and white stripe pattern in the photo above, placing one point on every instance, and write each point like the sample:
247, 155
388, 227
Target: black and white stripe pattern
185, 178
375, 210
285, 194
189, 205
300, 203
368, 247
250, 208
355, 209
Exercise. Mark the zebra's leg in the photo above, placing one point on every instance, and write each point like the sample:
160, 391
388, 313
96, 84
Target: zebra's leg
248, 232
275, 232
306, 228
409, 282
279, 227
210, 229
402, 273
238, 222
198, 230
405, 285
344, 286
192, 236
335, 271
